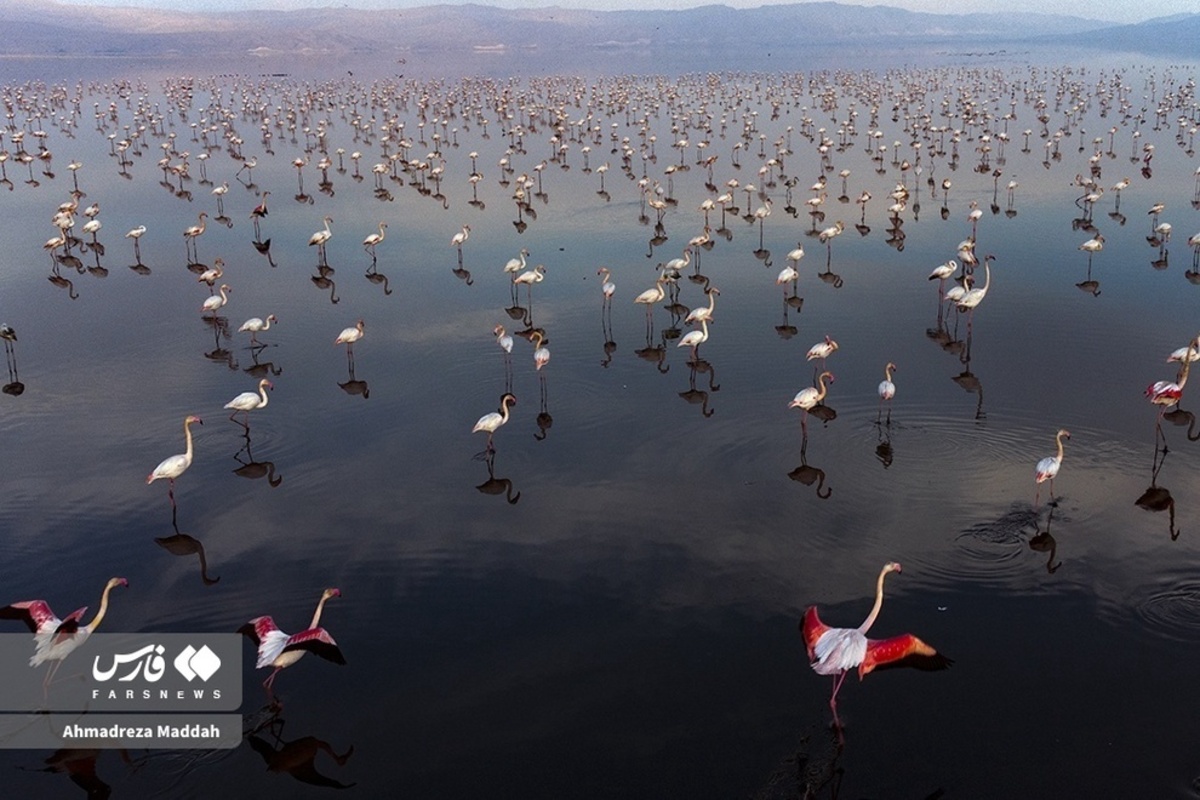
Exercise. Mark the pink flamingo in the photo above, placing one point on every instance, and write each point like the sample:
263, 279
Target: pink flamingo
836, 651
277, 649
54, 638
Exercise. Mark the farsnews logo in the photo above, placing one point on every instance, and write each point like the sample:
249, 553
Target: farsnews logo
148, 663
192, 663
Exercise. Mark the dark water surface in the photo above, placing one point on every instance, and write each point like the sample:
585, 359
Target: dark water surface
607, 607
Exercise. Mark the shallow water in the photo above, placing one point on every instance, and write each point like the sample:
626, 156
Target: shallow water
608, 607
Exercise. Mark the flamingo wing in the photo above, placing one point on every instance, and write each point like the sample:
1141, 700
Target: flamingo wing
904, 650
811, 629
1047, 468
257, 629
318, 641
34, 613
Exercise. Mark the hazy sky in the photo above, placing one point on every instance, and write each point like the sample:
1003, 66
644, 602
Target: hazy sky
1111, 10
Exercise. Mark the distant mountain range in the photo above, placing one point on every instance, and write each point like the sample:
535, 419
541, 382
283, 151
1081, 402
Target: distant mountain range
47, 28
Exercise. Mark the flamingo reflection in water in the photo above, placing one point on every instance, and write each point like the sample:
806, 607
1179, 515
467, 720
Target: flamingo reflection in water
298, 756
251, 468
498, 486
1044, 542
279, 650
700, 396
181, 544
9, 335
808, 474
79, 763
55, 639
1158, 498
836, 651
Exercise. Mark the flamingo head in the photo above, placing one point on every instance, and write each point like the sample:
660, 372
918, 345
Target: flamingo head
891, 566
266, 383
891, 367
508, 398
193, 418
498, 330
828, 375
226, 288
116, 582
333, 591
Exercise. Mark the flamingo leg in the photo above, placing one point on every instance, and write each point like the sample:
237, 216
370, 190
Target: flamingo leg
171, 491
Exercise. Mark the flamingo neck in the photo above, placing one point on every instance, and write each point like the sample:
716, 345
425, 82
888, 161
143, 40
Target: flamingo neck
712, 302
262, 393
987, 274
1058, 439
317, 614
187, 453
95, 623
887, 372
1187, 365
870, 620
821, 387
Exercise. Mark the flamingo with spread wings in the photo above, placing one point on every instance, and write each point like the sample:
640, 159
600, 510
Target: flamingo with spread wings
279, 650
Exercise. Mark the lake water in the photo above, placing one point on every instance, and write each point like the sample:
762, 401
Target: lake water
607, 606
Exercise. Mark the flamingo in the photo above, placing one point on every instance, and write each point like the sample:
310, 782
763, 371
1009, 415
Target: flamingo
787, 275
529, 277
172, 467
491, 421
459, 238
136, 235
259, 211
795, 255
249, 401
1093, 246
321, 237
54, 638
216, 301
374, 239
517, 264
195, 231
651, 296
821, 350
256, 326
887, 389
607, 287
694, 339
277, 649
1168, 393
504, 340
807, 399
1191, 352
836, 651
541, 354
704, 313
942, 272
974, 297
211, 276
349, 336
827, 235
1047, 468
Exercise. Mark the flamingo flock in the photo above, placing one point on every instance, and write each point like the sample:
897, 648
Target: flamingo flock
831, 651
